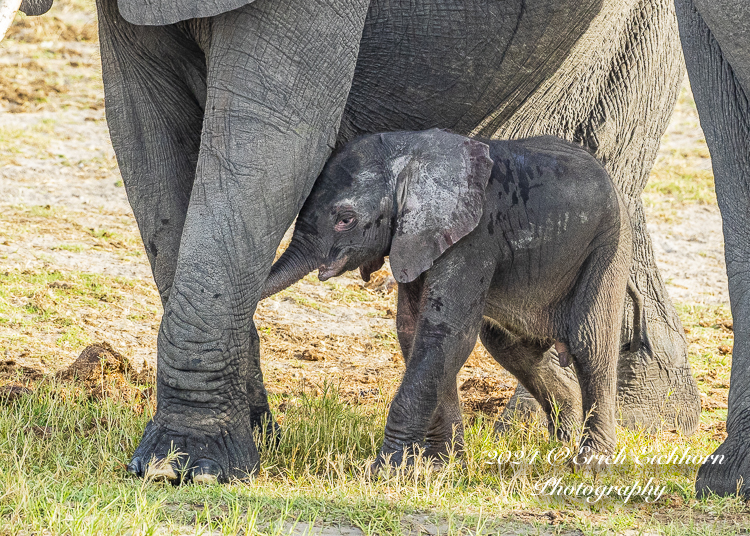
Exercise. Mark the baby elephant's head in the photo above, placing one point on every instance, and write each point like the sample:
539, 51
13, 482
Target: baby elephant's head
409, 195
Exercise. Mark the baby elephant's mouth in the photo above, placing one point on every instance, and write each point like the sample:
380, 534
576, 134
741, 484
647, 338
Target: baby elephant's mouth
337, 267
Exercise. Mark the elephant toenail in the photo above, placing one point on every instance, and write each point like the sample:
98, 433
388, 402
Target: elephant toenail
161, 471
135, 467
205, 479
206, 472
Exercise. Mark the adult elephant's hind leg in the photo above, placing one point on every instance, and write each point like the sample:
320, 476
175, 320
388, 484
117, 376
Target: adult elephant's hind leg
278, 76
715, 37
619, 110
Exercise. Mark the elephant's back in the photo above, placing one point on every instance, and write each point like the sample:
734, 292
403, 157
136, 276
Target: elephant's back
546, 174
549, 204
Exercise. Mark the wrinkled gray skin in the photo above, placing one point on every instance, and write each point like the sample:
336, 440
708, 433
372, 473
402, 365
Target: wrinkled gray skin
716, 41
221, 125
532, 249
36, 7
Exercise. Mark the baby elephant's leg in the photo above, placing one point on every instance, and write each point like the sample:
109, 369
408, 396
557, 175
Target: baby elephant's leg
446, 431
536, 368
593, 336
445, 330
522, 405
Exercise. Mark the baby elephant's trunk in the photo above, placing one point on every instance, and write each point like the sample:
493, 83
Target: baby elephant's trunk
294, 264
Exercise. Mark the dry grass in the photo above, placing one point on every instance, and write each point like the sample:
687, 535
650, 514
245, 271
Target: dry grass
68, 20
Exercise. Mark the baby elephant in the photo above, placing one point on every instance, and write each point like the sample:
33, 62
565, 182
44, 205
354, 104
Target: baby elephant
526, 243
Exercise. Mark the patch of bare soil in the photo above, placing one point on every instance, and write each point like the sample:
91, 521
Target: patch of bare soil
690, 254
687, 237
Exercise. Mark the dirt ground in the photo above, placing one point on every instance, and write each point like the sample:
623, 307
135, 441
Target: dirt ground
64, 214
687, 236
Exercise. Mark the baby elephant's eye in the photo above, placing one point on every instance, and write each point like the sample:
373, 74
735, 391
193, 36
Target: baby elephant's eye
345, 222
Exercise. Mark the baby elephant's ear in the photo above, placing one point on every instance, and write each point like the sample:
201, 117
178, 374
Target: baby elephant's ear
440, 196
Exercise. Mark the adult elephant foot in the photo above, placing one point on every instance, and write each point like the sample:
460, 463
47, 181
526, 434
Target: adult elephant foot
522, 406
213, 457
727, 470
655, 387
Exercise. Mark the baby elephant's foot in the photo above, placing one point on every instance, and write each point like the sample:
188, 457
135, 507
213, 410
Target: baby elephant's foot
564, 425
394, 458
184, 455
431, 458
386, 461
404, 459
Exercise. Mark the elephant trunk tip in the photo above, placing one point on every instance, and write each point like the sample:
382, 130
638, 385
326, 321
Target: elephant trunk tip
292, 266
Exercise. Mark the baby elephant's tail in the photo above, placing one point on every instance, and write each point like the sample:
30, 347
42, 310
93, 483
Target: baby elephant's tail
640, 337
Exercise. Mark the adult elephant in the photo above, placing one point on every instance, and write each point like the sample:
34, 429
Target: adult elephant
223, 113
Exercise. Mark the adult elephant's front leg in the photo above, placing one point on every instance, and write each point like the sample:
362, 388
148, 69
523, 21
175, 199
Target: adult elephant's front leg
278, 76
715, 37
